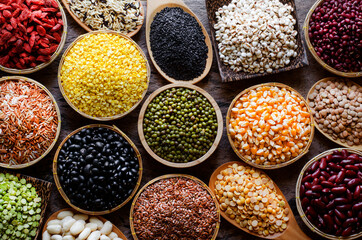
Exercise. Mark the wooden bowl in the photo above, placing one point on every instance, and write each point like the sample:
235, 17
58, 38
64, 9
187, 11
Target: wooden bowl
24, 165
43, 189
54, 216
276, 166
174, 176
154, 7
291, 232
228, 75
357, 147
313, 52
69, 101
299, 204
218, 117
59, 186
53, 57
88, 29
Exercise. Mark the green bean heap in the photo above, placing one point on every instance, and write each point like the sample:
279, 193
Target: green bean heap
180, 125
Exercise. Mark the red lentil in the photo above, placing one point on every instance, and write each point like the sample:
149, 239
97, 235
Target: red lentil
28, 122
175, 208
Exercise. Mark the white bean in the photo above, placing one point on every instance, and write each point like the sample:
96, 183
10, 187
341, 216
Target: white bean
80, 217
63, 214
46, 235
77, 227
104, 237
84, 234
68, 237
92, 226
65, 219
117, 238
56, 237
107, 228
54, 229
94, 235
68, 224
112, 235
54, 222
96, 221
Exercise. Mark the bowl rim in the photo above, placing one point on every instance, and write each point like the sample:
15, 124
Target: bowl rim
53, 57
167, 176
59, 186
61, 63
56, 108
298, 201
276, 166
217, 139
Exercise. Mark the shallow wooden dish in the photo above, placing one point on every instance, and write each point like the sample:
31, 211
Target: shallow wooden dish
228, 75
173, 176
43, 189
54, 216
218, 117
291, 232
155, 6
24, 165
54, 56
305, 150
357, 147
59, 186
313, 52
68, 100
299, 204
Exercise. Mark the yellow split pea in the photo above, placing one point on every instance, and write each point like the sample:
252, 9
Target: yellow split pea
104, 75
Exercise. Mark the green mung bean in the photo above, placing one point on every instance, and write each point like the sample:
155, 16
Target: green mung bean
180, 125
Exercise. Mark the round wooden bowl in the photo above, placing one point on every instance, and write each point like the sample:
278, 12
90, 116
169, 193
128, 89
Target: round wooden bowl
68, 100
174, 176
299, 204
218, 117
313, 52
276, 166
59, 186
53, 57
88, 29
25, 79
327, 135
154, 7
54, 216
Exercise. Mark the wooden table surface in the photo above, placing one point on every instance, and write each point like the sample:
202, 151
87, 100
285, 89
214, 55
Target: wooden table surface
286, 177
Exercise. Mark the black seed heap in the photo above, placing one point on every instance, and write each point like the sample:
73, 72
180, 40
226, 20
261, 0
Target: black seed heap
178, 44
97, 169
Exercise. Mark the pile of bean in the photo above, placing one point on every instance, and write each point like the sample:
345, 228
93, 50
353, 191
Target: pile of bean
270, 125
178, 44
175, 208
70, 226
337, 109
104, 75
20, 208
330, 193
335, 33
249, 197
180, 125
30, 32
97, 169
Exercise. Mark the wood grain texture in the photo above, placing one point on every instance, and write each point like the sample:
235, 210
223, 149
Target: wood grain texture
228, 75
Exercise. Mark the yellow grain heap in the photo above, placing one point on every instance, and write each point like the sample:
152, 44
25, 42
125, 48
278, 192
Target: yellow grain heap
104, 75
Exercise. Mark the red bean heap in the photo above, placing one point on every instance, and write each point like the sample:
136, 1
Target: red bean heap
335, 33
331, 193
30, 32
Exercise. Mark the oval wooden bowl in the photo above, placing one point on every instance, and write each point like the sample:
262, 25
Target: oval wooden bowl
299, 204
291, 232
54, 216
68, 100
59, 186
88, 29
53, 57
173, 176
313, 52
218, 117
25, 79
154, 7
276, 166
327, 135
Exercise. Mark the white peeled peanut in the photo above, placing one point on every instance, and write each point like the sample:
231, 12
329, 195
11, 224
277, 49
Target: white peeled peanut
77, 227
56, 237
54, 222
107, 228
64, 214
92, 226
117, 238
84, 234
46, 235
104, 237
68, 224
54, 229
112, 235
96, 221
80, 217
94, 235
68, 237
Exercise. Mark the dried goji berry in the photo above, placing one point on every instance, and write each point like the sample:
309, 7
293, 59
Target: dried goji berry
9, 27
17, 12
50, 37
30, 29
4, 60
13, 22
38, 2
4, 7
43, 44
7, 14
56, 27
49, 10
57, 37
41, 30
27, 47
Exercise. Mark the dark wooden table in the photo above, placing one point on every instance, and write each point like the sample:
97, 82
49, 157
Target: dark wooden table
300, 79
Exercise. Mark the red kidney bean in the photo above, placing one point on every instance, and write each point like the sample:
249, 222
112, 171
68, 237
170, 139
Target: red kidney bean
334, 166
312, 194
327, 184
313, 167
349, 222
339, 214
331, 196
344, 208
337, 221
346, 180
351, 173
317, 188
349, 213
323, 163
349, 195
340, 176
307, 178
353, 157
330, 205
321, 221
319, 203
357, 207
328, 220
344, 153
302, 191
315, 181
305, 202
338, 190
353, 182
339, 232
316, 174
321, 178
325, 199
359, 215
325, 174
351, 167
326, 190
311, 212
332, 178
357, 192
347, 232
340, 201
346, 161
308, 185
